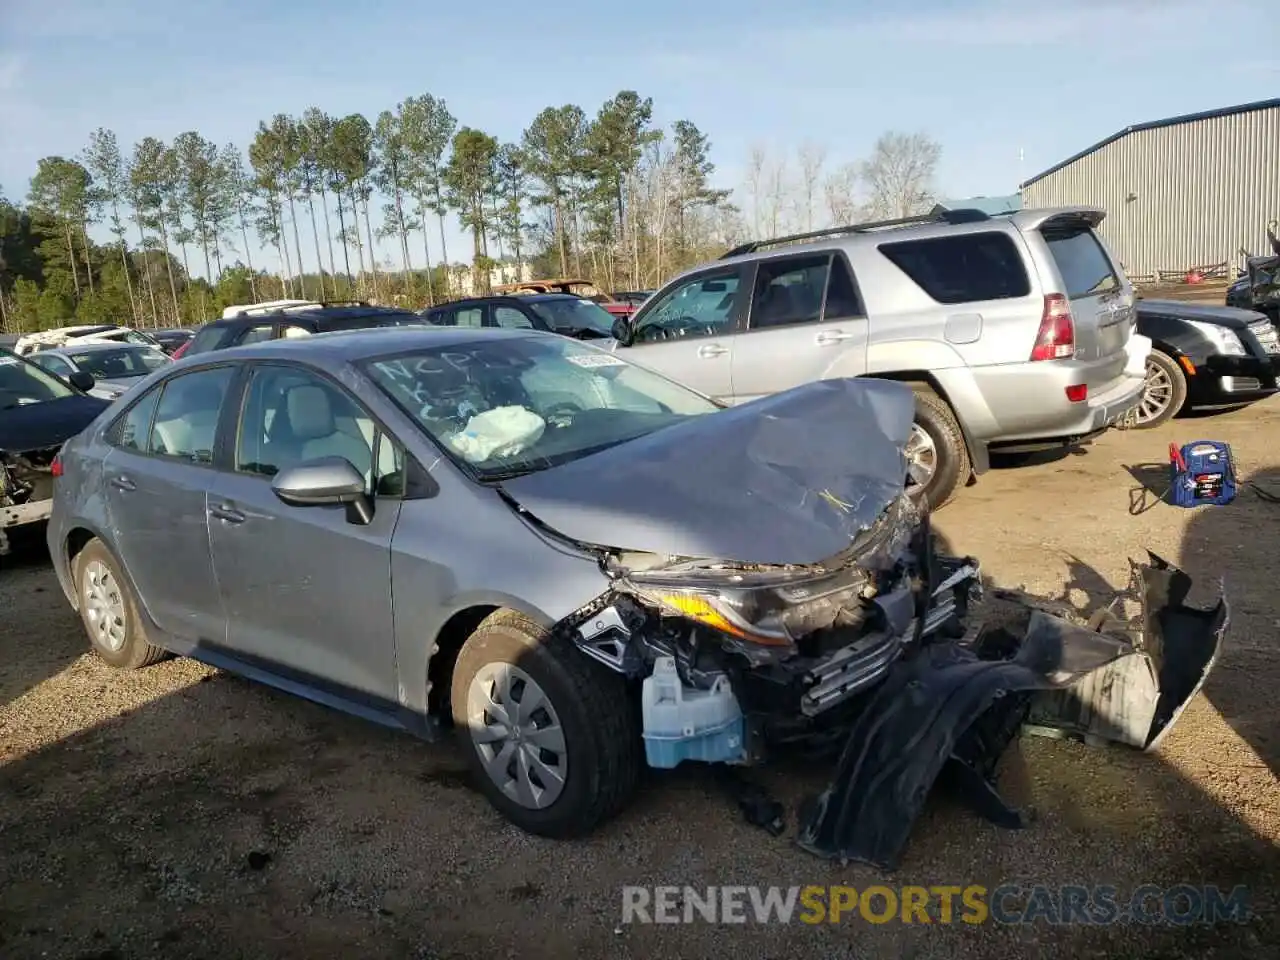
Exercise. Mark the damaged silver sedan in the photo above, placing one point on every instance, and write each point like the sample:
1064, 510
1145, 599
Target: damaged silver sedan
579, 567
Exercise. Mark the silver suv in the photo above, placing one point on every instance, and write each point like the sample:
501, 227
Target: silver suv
1016, 331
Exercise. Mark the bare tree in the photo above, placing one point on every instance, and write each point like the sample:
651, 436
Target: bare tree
841, 191
899, 176
755, 186
812, 156
777, 183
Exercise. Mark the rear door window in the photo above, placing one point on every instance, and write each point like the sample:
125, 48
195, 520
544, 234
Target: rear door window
511, 318
257, 334
468, 317
208, 338
789, 292
962, 268
842, 294
186, 419
1085, 267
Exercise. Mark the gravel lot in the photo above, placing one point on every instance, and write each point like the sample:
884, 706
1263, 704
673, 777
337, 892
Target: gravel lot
179, 811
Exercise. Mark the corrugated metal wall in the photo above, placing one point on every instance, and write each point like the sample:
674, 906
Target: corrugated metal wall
1203, 190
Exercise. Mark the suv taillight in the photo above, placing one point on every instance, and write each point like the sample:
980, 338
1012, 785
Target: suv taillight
55, 467
1056, 339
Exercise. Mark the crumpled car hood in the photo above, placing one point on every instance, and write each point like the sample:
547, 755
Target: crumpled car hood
792, 478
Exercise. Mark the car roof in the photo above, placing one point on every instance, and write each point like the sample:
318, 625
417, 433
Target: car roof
316, 314
347, 346
507, 298
94, 346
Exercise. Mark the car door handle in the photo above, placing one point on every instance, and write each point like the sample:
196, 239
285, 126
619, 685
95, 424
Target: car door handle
831, 336
710, 350
228, 513
123, 483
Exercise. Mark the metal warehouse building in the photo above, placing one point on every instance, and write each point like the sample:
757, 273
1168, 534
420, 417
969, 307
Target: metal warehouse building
1183, 192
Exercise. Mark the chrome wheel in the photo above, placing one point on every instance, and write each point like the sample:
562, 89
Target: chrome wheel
517, 734
1157, 393
922, 459
103, 602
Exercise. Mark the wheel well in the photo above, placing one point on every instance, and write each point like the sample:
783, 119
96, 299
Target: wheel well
449, 643
76, 541
923, 378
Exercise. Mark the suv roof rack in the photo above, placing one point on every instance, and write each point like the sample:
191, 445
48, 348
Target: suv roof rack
272, 307
958, 216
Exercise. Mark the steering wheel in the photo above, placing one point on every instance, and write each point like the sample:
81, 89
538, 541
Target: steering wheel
677, 328
561, 414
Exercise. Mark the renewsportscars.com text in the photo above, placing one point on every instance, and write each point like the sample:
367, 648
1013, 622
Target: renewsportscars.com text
1180, 905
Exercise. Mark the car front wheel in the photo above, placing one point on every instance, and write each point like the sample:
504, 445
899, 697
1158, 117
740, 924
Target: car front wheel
937, 457
552, 737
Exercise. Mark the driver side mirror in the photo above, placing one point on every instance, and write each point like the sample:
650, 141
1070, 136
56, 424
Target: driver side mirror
623, 331
325, 481
81, 380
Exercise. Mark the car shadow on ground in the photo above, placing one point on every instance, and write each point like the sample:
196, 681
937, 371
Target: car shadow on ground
223, 819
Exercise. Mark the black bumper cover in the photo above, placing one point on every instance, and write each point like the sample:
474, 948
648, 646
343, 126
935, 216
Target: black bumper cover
950, 711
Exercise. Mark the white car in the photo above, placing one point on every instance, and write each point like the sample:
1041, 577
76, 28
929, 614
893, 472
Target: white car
95, 333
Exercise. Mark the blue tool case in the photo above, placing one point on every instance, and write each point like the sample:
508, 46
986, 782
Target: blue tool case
1203, 473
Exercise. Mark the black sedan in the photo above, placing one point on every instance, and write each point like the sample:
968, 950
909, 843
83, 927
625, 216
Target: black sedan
38, 411
1204, 356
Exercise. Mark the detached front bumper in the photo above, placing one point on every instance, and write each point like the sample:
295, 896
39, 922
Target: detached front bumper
955, 707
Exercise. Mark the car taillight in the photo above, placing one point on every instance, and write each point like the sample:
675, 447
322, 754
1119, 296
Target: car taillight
1056, 339
55, 468
181, 350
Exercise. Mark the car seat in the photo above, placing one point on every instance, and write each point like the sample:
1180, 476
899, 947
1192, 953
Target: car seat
190, 430
316, 430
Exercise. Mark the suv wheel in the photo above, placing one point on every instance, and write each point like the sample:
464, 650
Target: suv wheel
937, 458
552, 737
1164, 391
110, 612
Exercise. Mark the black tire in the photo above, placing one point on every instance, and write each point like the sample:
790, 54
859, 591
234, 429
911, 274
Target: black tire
934, 417
598, 717
136, 651
1169, 367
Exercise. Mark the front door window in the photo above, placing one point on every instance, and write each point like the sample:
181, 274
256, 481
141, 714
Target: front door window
703, 306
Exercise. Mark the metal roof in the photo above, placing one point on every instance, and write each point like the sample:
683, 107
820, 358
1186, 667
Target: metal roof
1155, 125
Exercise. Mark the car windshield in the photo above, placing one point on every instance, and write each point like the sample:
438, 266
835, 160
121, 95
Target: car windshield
574, 317
23, 383
119, 363
508, 406
135, 336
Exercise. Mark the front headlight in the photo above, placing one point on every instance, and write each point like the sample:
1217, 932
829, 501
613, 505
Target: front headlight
1225, 340
772, 615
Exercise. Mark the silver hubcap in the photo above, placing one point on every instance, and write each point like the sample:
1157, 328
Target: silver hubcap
922, 459
516, 731
103, 606
1157, 393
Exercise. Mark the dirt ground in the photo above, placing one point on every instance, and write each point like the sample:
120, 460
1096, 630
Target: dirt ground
182, 812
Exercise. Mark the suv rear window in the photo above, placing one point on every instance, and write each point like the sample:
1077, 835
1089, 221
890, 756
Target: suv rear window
207, 338
1084, 265
960, 269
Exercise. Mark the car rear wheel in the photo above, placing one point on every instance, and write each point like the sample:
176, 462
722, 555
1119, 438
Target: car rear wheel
552, 738
110, 612
1164, 391
937, 458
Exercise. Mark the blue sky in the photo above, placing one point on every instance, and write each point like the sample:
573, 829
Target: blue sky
985, 78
